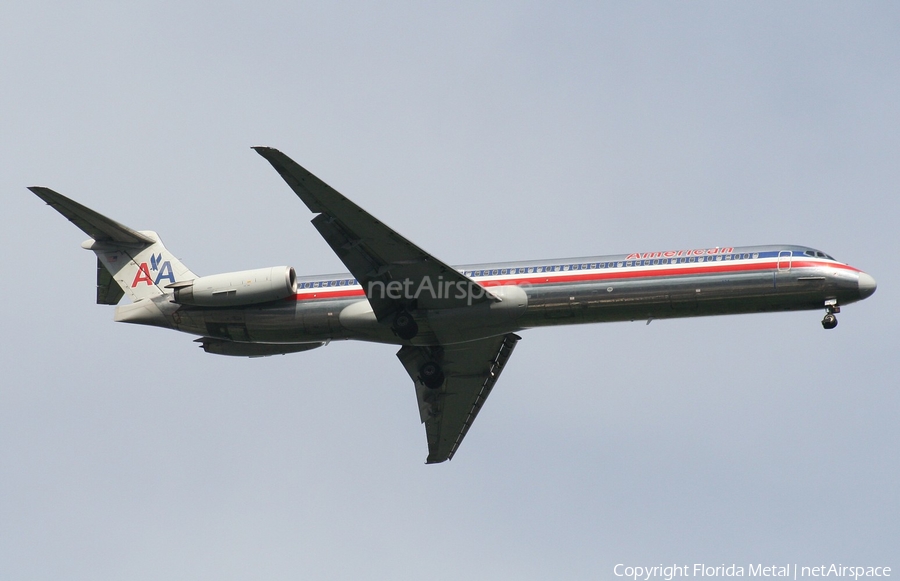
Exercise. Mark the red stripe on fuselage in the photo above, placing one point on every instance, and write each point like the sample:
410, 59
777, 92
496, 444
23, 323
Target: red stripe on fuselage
695, 269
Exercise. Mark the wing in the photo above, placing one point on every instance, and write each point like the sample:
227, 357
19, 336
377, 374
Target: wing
374, 253
470, 371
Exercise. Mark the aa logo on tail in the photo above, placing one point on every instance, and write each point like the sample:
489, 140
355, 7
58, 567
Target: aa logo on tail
162, 269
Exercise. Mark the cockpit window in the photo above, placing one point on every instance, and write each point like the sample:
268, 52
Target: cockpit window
817, 254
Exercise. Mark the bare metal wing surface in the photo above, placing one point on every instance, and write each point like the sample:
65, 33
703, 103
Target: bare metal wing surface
448, 404
374, 253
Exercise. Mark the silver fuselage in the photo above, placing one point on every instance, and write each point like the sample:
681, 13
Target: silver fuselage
639, 286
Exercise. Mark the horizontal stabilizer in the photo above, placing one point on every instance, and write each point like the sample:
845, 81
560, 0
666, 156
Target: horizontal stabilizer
95, 225
128, 262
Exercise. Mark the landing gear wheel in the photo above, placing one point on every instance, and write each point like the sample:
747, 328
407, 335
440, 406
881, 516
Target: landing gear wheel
405, 326
830, 321
431, 375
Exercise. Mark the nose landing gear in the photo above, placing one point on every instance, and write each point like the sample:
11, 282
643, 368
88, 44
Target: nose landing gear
830, 321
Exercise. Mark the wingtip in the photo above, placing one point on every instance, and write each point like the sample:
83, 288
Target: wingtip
274, 157
43, 193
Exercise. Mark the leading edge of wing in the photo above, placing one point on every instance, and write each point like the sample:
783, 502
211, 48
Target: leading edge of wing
304, 183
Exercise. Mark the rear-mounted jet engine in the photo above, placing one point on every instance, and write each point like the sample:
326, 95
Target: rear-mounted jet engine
246, 287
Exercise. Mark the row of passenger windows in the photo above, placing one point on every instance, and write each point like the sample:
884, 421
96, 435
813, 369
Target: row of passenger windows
610, 264
565, 267
328, 283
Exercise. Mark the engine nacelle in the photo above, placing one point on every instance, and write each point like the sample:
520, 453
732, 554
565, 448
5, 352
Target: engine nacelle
232, 289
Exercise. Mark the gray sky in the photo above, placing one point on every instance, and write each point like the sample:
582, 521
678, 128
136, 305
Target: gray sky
503, 132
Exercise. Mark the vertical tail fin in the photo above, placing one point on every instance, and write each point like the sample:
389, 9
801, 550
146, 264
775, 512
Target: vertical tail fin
137, 262
139, 271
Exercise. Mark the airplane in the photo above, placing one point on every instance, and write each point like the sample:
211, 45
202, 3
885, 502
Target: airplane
456, 326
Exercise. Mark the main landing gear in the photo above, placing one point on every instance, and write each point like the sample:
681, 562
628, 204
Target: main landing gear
830, 321
405, 326
431, 375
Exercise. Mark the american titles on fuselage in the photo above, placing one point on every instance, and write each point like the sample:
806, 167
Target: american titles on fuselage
674, 253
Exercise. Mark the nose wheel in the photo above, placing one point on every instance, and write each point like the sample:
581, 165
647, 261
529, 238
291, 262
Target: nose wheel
830, 321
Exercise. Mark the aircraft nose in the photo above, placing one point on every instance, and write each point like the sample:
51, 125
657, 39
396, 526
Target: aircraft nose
867, 285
